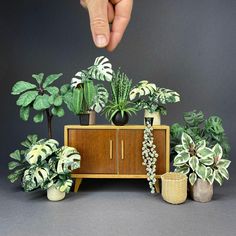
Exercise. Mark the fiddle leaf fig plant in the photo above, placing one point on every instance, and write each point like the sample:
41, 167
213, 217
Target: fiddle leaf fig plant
199, 161
42, 97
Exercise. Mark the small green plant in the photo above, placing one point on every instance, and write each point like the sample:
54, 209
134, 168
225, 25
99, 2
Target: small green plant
199, 161
153, 98
43, 97
43, 164
199, 128
149, 156
120, 89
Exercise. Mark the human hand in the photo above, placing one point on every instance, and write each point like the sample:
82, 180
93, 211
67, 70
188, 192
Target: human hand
105, 12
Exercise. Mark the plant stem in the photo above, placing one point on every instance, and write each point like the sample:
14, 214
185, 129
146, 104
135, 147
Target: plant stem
49, 120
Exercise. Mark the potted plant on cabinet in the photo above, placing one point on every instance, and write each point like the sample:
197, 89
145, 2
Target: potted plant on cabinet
202, 165
152, 99
119, 108
43, 164
84, 98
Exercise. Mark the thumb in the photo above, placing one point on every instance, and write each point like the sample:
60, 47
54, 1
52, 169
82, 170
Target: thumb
99, 21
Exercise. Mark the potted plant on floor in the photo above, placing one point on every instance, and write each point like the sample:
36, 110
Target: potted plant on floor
152, 99
84, 98
43, 164
202, 165
119, 108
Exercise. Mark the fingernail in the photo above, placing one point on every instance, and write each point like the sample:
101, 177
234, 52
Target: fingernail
101, 40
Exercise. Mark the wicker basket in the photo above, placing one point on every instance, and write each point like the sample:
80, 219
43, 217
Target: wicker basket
174, 187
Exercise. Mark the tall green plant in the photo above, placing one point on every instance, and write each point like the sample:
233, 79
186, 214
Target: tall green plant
43, 97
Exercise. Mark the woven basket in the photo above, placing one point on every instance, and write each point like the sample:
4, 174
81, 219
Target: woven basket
174, 187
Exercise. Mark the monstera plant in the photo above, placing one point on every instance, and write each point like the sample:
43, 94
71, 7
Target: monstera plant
42, 97
43, 164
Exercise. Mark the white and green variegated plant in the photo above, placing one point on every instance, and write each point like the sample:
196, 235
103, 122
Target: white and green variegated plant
199, 161
152, 98
43, 164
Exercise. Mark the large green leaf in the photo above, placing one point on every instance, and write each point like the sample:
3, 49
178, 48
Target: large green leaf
165, 96
218, 151
201, 144
64, 89
218, 177
224, 173
187, 141
179, 148
22, 86
26, 98
208, 161
193, 162
64, 185
182, 169
201, 171
192, 178
50, 79
38, 118
52, 90
24, 113
89, 92
223, 163
38, 77
211, 178
58, 101
204, 152
41, 102
182, 158
77, 101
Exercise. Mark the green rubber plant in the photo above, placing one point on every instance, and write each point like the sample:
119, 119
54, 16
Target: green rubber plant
42, 97
42, 164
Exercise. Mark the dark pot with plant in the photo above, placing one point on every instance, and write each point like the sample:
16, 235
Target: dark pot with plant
119, 108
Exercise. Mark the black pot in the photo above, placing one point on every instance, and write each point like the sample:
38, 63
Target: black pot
84, 119
149, 120
117, 119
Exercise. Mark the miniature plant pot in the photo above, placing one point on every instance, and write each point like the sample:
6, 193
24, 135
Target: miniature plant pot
201, 191
119, 120
84, 119
148, 120
53, 194
155, 115
92, 117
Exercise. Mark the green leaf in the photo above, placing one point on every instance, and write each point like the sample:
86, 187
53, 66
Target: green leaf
193, 162
22, 86
57, 101
58, 111
223, 163
218, 151
208, 161
13, 164
218, 177
41, 102
52, 90
182, 169
24, 113
16, 155
224, 173
26, 98
13, 177
181, 158
179, 148
38, 118
38, 77
201, 144
211, 178
192, 178
187, 141
204, 152
201, 171
50, 79
64, 89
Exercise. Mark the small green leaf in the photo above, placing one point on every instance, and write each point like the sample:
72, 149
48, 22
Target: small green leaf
16, 155
187, 141
41, 102
24, 113
50, 79
22, 86
192, 178
58, 111
13, 164
52, 90
181, 158
58, 101
33, 138
38, 77
193, 162
26, 98
38, 118
224, 173
204, 152
218, 177
182, 169
179, 148
13, 177
211, 179
223, 163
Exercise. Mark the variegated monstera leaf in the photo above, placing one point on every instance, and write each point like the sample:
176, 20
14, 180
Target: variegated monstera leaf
142, 89
41, 150
194, 160
165, 96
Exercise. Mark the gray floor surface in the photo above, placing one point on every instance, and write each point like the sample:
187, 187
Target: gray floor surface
114, 207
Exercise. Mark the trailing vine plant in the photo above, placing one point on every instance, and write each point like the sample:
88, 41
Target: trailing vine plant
149, 155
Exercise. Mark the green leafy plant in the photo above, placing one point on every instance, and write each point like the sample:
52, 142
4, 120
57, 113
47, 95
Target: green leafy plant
43, 164
120, 89
45, 98
153, 98
199, 128
149, 156
199, 161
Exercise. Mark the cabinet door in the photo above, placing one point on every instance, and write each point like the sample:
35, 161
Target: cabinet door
130, 151
97, 149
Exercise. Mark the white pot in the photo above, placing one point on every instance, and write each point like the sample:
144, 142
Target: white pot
54, 194
155, 115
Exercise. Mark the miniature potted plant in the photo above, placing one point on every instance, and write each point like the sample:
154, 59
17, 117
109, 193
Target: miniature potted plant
152, 99
43, 164
119, 108
202, 165
84, 98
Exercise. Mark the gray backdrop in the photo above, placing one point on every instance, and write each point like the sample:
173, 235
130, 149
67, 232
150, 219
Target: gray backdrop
185, 45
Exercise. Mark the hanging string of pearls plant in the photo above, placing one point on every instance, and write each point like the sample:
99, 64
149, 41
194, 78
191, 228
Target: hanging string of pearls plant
149, 155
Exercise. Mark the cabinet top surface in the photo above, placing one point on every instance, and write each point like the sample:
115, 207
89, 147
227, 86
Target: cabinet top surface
113, 127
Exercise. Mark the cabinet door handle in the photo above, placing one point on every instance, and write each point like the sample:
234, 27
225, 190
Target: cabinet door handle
111, 149
122, 149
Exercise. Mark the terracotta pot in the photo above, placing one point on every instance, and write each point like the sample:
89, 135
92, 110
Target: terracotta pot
201, 191
156, 117
54, 194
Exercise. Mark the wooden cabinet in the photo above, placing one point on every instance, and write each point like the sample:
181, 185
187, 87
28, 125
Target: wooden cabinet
115, 151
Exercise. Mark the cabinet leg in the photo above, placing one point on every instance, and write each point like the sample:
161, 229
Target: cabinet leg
77, 184
157, 186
